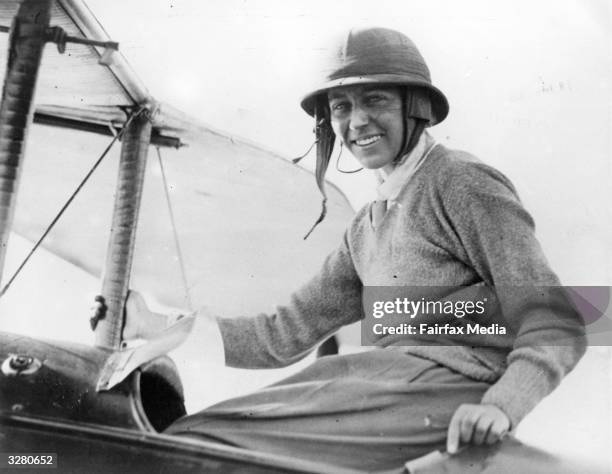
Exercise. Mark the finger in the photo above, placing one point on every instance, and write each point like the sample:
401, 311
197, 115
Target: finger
499, 429
133, 298
452, 439
136, 303
481, 430
95, 308
467, 426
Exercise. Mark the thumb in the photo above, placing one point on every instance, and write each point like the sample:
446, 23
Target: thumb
136, 312
140, 321
135, 302
452, 440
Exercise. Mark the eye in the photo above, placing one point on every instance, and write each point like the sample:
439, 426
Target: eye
375, 99
339, 106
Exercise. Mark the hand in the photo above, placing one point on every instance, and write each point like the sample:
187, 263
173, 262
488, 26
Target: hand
476, 424
140, 321
97, 311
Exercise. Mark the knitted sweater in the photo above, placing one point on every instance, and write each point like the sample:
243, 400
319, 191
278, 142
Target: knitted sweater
457, 222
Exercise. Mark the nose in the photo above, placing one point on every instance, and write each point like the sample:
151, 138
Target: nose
359, 118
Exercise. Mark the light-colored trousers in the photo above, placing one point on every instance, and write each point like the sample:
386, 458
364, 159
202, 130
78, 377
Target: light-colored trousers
365, 411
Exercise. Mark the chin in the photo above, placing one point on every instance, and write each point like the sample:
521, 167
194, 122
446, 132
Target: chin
372, 163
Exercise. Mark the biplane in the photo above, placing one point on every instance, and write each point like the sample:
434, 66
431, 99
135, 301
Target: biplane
98, 404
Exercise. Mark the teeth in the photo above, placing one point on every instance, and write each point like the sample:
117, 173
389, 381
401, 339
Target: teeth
368, 140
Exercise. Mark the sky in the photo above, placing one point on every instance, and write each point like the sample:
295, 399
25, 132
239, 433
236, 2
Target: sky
529, 85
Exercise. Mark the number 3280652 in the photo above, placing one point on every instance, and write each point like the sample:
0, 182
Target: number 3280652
30, 460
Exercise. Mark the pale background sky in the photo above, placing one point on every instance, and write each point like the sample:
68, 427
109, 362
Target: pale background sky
529, 85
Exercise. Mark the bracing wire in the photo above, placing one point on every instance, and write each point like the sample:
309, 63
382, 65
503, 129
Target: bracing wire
69, 201
175, 233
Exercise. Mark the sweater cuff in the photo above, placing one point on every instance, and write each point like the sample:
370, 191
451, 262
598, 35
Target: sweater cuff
519, 390
228, 329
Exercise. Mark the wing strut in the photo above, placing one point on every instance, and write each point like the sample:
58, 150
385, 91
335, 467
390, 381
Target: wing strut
115, 284
26, 45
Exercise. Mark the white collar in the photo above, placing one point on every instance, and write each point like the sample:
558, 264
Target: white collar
391, 185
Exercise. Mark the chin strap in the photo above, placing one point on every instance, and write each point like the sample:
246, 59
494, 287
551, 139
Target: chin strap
325, 139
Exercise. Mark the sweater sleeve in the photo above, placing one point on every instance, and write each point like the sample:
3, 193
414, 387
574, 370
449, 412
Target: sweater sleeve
498, 238
328, 301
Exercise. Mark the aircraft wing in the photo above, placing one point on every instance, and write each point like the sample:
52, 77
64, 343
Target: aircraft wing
240, 210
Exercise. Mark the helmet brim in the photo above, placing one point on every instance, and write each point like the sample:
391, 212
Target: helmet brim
439, 102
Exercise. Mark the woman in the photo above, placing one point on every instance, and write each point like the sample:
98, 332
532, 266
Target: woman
443, 219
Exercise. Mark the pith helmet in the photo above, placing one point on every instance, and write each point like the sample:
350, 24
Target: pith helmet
378, 56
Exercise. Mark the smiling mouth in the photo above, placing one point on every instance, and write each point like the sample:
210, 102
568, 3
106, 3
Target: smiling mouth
366, 141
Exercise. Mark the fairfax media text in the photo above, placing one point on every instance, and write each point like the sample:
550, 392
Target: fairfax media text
438, 329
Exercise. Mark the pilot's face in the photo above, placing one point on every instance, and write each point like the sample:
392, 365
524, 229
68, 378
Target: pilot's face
369, 121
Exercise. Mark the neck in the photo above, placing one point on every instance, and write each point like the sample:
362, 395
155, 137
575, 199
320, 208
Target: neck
388, 169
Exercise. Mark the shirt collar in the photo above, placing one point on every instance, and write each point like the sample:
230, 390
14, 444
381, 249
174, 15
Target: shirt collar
391, 185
